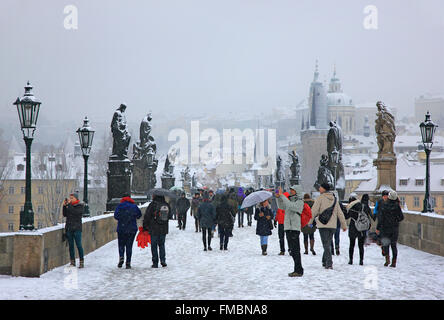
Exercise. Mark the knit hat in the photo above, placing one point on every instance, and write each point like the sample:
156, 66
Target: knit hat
393, 195
385, 193
75, 194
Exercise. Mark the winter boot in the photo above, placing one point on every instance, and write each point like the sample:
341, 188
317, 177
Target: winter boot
312, 242
82, 263
264, 250
226, 247
337, 251
73, 263
294, 274
306, 246
209, 248
387, 260
393, 265
128, 265
361, 262
163, 264
120, 263
221, 247
282, 253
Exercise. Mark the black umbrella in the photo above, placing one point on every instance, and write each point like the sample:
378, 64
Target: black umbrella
161, 192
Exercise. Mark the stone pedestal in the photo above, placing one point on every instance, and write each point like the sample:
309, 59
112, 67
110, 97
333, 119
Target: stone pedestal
314, 144
168, 182
144, 176
119, 181
386, 166
294, 181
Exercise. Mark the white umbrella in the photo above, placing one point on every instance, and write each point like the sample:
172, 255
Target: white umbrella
255, 198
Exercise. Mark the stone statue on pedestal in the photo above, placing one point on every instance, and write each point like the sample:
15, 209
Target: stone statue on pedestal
334, 144
294, 167
385, 136
168, 174
385, 129
144, 159
324, 174
280, 177
121, 135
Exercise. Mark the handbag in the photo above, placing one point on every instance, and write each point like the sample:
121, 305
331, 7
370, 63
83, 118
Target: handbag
325, 216
309, 230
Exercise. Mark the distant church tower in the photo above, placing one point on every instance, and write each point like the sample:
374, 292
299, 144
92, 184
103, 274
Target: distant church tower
314, 137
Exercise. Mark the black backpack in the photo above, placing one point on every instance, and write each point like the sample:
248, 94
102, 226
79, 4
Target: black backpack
161, 213
325, 216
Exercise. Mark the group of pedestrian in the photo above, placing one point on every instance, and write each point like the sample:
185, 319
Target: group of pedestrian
295, 213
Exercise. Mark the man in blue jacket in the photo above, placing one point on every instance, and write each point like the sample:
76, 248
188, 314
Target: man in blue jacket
126, 215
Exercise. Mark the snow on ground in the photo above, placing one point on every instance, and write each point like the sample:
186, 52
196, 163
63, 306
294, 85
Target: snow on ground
239, 273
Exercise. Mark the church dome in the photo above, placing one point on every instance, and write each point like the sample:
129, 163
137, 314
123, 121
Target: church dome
339, 99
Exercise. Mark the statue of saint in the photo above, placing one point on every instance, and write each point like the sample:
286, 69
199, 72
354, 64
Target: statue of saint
121, 135
334, 142
146, 142
294, 167
385, 129
279, 174
324, 174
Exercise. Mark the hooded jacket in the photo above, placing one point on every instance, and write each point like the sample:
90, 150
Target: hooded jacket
150, 224
293, 207
389, 216
206, 214
263, 225
126, 215
323, 202
182, 205
352, 211
224, 214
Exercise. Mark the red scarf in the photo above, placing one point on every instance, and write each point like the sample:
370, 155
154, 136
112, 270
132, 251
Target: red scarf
75, 202
128, 199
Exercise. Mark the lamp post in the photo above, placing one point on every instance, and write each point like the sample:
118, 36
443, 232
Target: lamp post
28, 108
335, 160
428, 129
86, 135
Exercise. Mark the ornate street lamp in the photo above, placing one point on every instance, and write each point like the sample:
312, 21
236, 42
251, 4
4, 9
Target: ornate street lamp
428, 129
86, 135
28, 108
335, 160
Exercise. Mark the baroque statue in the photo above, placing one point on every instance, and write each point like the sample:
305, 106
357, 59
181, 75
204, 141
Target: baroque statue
121, 135
385, 129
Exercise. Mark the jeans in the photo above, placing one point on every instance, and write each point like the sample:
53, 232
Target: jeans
326, 238
337, 236
294, 247
240, 218
75, 236
158, 243
224, 235
264, 240
204, 237
125, 241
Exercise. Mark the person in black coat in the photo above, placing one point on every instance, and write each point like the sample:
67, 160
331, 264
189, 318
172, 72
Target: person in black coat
389, 217
182, 205
352, 211
73, 211
225, 217
155, 221
264, 225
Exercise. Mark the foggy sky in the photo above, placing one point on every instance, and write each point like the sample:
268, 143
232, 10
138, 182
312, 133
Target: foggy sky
214, 56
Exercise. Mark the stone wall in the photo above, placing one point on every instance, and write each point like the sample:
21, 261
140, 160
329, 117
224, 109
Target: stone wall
423, 231
32, 253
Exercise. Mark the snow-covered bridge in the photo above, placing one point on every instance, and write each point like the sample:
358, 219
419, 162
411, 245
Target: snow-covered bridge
239, 273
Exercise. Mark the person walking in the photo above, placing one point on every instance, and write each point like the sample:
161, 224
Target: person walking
389, 217
195, 202
325, 201
264, 225
182, 204
293, 207
225, 221
279, 223
309, 235
250, 210
126, 215
240, 212
155, 221
359, 213
73, 211
206, 214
